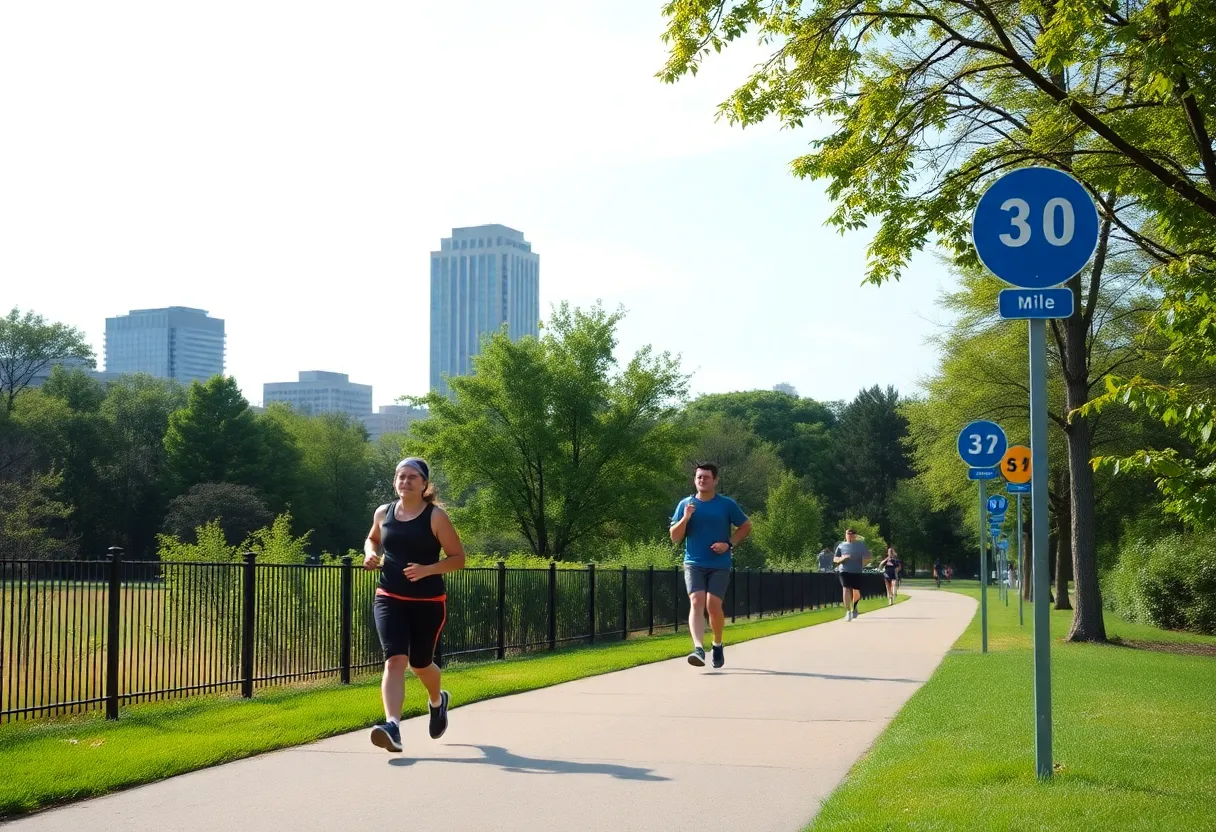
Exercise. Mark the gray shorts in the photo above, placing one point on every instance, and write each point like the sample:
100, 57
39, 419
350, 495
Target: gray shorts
701, 579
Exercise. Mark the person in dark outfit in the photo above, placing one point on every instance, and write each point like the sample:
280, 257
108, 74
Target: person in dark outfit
892, 568
411, 597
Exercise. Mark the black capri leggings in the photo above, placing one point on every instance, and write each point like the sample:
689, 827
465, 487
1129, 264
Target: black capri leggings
410, 628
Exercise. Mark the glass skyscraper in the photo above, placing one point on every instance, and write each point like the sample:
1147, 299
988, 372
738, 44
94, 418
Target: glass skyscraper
177, 342
482, 277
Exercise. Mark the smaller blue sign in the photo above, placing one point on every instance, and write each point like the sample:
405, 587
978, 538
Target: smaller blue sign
1002, 545
998, 504
1018, 487
1023, 304
982, 474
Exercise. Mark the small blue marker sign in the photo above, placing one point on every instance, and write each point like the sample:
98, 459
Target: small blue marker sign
1018, 488
998, 505
982, 473
1023, 304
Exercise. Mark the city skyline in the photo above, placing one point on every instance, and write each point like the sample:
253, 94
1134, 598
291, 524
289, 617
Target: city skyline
308, 237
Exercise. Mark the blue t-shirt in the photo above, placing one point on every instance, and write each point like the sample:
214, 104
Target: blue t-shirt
710, 523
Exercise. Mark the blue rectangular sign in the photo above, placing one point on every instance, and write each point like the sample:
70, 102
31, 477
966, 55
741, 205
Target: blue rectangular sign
1018, 487
1017, 304
982, 473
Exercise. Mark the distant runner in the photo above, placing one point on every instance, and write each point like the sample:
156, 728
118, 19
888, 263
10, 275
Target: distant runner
825, 559
939, 571
891, 567
852, 555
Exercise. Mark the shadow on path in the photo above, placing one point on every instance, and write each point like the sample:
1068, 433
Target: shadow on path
494, 755
753, 671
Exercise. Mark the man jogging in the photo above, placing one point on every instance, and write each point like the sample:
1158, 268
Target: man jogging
852, 555
703, 521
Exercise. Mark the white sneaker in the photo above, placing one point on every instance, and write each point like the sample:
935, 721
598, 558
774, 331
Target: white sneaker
848, 615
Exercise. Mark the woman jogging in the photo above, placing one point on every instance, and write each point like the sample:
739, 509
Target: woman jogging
411, 598
891, 567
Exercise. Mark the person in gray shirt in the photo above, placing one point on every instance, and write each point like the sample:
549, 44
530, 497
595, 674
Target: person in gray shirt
825, 559
852, 555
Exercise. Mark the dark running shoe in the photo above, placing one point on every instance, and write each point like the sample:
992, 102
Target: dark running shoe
719, 658
387, 735
439, 716
697, 657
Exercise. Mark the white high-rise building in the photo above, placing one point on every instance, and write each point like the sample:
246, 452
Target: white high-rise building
319, 392
392, 418
176, 342
481, 278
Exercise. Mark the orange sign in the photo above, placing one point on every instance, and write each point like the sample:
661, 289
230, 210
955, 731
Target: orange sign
1015, 465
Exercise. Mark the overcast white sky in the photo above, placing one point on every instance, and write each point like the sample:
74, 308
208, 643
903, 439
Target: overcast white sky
289, 167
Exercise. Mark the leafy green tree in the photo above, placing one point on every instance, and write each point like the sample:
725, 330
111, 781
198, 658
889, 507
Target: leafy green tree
33, 520
214, 438
77, 443
926, 104
792, 522
134, 475
797, 428
749, 467
337, 482
568, 444
282, 474
28, 345
870, 453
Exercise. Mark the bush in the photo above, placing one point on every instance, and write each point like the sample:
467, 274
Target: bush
238, 509
1169, 583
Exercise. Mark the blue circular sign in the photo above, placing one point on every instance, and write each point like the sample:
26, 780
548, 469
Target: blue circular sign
1035, 227
982, 444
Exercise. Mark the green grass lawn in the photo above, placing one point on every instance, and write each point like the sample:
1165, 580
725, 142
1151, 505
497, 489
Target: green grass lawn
1134, 738
51, 762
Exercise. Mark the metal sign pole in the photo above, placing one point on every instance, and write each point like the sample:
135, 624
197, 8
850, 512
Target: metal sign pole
1021, 563
983, 571
1038, 520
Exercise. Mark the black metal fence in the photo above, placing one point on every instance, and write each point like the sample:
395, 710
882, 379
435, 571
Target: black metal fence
76, 635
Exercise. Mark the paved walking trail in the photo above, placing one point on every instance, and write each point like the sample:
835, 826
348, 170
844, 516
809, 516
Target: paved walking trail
755, 746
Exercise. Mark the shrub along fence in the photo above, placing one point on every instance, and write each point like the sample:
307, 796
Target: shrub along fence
81, 635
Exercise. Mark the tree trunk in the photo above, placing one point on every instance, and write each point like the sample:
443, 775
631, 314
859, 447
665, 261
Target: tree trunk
1064, 556
1087, 623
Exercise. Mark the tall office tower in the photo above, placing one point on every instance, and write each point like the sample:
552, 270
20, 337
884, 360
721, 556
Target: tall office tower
481, 278
177, 342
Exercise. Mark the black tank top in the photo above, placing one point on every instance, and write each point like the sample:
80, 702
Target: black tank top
406, 542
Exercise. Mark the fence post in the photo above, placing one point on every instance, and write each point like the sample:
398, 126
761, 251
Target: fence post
760, 595
748, 600
650, 600
552, 605
247, 623
112, 623
502, 609
591, 598
347, 616
624, 603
